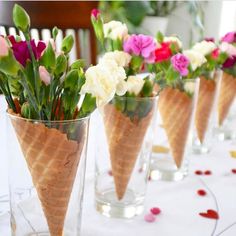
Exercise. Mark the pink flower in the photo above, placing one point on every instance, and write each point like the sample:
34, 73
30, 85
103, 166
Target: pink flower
209, 39
44, 75
3, 47
95, 13
230, 62
180, 63
215, 53
229, 37
21, 51
163, 53
141, 45
228, 48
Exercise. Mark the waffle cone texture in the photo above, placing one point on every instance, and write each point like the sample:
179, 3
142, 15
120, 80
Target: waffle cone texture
226, 96
175, 108
206, 97
125, 138
52, 160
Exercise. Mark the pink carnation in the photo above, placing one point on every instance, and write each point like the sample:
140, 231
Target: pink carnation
180, 63
3, 47
229, 37
44, 75
95, 13
141, 45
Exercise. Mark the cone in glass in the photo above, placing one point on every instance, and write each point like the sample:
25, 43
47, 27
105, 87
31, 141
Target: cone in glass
52, 160
226, 96
175, 108
125, 138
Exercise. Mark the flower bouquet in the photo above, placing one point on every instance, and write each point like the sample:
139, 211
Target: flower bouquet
208, 90
49, 112
174, 71
228, 83
127, 118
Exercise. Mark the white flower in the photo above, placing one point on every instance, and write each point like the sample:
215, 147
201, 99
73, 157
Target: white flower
135, 84
228, 48
120, 57
173, 39
103, 81
204, 47
115, 30
196, 58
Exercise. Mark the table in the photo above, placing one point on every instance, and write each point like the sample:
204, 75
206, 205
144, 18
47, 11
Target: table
179, 202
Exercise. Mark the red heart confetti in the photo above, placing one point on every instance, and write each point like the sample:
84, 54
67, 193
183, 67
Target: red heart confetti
210, 214
155, 210
149, 218
201, 192
207, 172
233, 171
198, 172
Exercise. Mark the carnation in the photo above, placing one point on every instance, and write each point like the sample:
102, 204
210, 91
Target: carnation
173, 39
205, 47
196, 58
135, 84
120, 57
115, 30
228, 48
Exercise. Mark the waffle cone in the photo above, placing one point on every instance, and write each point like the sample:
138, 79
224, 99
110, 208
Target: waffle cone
125, 139
226, 96
206, 96
52, 160
175, 109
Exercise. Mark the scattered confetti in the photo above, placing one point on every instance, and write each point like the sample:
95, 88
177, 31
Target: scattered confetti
201, 192
155, 210
160, 149
110, 172
233, 171
207, 172
149, 217
210, 214
198, 172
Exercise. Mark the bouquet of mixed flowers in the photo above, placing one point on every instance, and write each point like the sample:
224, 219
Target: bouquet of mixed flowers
228, 83
127, 116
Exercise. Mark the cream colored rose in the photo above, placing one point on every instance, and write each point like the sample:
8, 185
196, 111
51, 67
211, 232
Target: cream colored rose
173, 39
229, 49
204, 47
135, 84
103, 81
115, 30
120, 57
196, 58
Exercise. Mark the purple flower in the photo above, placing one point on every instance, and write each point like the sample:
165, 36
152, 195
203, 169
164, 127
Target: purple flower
21, 51
230, 62
229, 37
180, 63
209, 39
141, 45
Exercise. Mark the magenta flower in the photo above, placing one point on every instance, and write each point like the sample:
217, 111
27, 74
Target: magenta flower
230, 62
21, 51
95, 13
141, 45
209, 39
229, 37
180, 63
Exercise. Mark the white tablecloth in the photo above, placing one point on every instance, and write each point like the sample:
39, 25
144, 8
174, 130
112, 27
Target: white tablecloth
178, 201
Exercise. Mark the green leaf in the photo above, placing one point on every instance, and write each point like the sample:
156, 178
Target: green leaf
67, 44
147, 88
88, 105
48, 58
160, 37
61, 65
80, 63
20, 18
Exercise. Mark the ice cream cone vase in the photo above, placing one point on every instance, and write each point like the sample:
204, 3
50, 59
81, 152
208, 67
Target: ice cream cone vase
124, 143
172, 140
46, 175
205, 120
226, 108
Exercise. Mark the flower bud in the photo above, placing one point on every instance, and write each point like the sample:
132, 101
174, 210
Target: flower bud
21, 18
67, 44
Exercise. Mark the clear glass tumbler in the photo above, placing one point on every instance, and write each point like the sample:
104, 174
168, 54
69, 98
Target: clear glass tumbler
124, 142
205, 119
173, 136
46, 175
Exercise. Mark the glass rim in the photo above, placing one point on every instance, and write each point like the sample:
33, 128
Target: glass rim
136, 98
16, 117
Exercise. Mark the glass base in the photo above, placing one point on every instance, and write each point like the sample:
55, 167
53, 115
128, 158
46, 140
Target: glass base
108, 205
200, 148
223, 134
167, 170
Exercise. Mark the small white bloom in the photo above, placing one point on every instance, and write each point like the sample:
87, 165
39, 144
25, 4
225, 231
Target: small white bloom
135, 84
120, 57
115, 30
173, 39
204, 47
228, 48
196, 58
